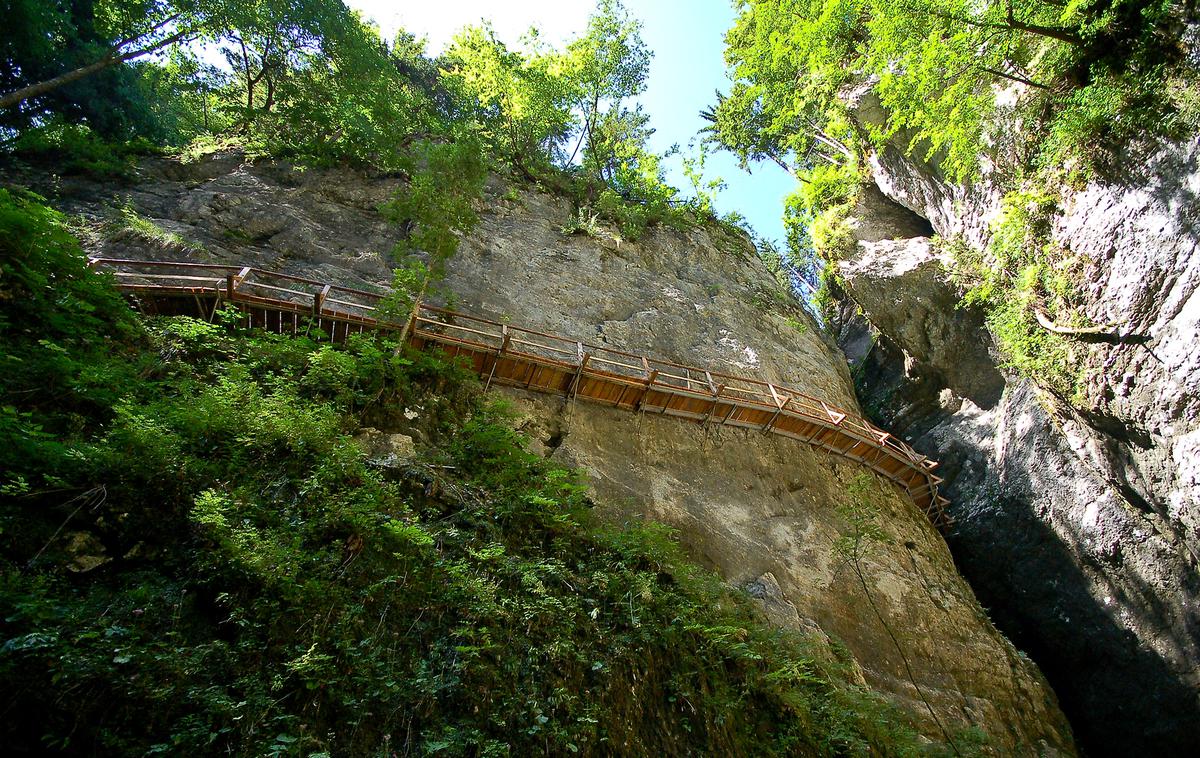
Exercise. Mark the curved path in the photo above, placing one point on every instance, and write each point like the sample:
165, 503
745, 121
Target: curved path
518, 357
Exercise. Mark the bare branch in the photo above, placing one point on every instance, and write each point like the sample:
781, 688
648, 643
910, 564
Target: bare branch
1050, 326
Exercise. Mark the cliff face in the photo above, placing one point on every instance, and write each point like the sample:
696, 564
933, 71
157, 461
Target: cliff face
1078, 529
759, 509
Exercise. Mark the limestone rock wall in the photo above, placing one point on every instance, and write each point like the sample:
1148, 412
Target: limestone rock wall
1079, 530
759, 509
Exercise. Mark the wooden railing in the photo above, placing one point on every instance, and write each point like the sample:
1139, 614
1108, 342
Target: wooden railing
536, 360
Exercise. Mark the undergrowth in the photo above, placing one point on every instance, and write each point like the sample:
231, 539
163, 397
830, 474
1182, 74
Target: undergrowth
125, 222
76, 149
197, 558
1021, 274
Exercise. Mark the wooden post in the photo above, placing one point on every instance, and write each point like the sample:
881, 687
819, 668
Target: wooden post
504, 340
779, 406
716, 391
834, 416
319, 299
233, 280
651, 375
774, 394
580, 366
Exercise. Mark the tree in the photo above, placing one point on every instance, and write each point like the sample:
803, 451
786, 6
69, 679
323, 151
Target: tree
182, 94
66, 41
523, 100
939, 65
264, 40
364, 98
444, 181
96, 35
609, 64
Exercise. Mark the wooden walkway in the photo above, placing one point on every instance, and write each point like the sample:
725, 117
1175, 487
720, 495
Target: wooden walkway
514, 356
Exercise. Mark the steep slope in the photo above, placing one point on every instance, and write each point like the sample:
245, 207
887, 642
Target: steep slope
762, 511
1077, 527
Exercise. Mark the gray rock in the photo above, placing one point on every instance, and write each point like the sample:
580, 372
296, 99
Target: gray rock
86, 552
1079, 530
389, 450
903, 285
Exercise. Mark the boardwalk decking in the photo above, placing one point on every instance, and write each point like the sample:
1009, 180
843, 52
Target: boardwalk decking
513, 356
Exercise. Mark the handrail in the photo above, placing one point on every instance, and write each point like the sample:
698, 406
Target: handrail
774, 400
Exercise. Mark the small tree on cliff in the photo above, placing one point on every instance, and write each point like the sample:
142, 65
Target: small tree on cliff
864, 533
444, 181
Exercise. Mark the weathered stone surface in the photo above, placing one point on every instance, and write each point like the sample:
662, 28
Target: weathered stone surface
760, 510
877, 218
902, 284
85, 550
386, 449
751, 506
1079, 530
950, 209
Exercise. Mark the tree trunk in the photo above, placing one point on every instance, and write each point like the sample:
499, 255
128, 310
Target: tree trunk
33, 90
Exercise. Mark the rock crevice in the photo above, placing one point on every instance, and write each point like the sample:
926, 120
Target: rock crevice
1078, 528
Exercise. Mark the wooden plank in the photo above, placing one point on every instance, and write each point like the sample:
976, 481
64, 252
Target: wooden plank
733, 407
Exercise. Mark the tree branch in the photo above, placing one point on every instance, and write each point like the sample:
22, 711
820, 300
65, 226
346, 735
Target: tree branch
1014, 77
33, 90
1050, 326
1044, 31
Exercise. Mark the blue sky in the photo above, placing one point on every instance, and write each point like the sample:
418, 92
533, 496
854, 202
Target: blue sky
687, 37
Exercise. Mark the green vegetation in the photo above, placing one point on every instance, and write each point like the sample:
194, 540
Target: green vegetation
196, 558
1030, 93
1019, 277
76, 149
125, 220
1094, 75
309, 81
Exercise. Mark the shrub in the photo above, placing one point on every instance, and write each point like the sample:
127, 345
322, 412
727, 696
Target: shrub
1021, 275
76, 149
